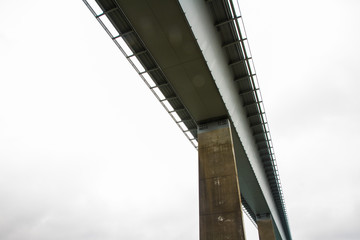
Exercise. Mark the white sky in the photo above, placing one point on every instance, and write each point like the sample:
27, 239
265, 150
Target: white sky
87, 152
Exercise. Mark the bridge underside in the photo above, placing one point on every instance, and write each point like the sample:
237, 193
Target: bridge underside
189, 51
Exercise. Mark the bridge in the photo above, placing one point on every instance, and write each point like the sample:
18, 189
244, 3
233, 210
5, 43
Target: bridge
194, 56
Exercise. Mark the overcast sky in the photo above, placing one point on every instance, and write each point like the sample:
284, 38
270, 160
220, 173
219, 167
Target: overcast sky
87, 152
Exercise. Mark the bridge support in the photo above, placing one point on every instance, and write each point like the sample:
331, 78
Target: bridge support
221, 214
265, 228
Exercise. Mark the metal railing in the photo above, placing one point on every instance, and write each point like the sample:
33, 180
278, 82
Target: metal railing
135, 63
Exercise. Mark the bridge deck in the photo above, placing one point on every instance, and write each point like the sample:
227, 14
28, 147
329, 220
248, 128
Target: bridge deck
192, 54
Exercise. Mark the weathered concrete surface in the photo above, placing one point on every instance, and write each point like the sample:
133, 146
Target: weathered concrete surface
221, 215
266, 229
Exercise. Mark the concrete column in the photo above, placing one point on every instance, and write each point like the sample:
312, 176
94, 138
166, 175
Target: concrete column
220, 202
265, 228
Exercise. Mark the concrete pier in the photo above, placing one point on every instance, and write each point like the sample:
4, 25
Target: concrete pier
265, 228
221, 214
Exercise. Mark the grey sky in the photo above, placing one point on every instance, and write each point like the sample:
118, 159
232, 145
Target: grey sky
86, 151
306, 54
